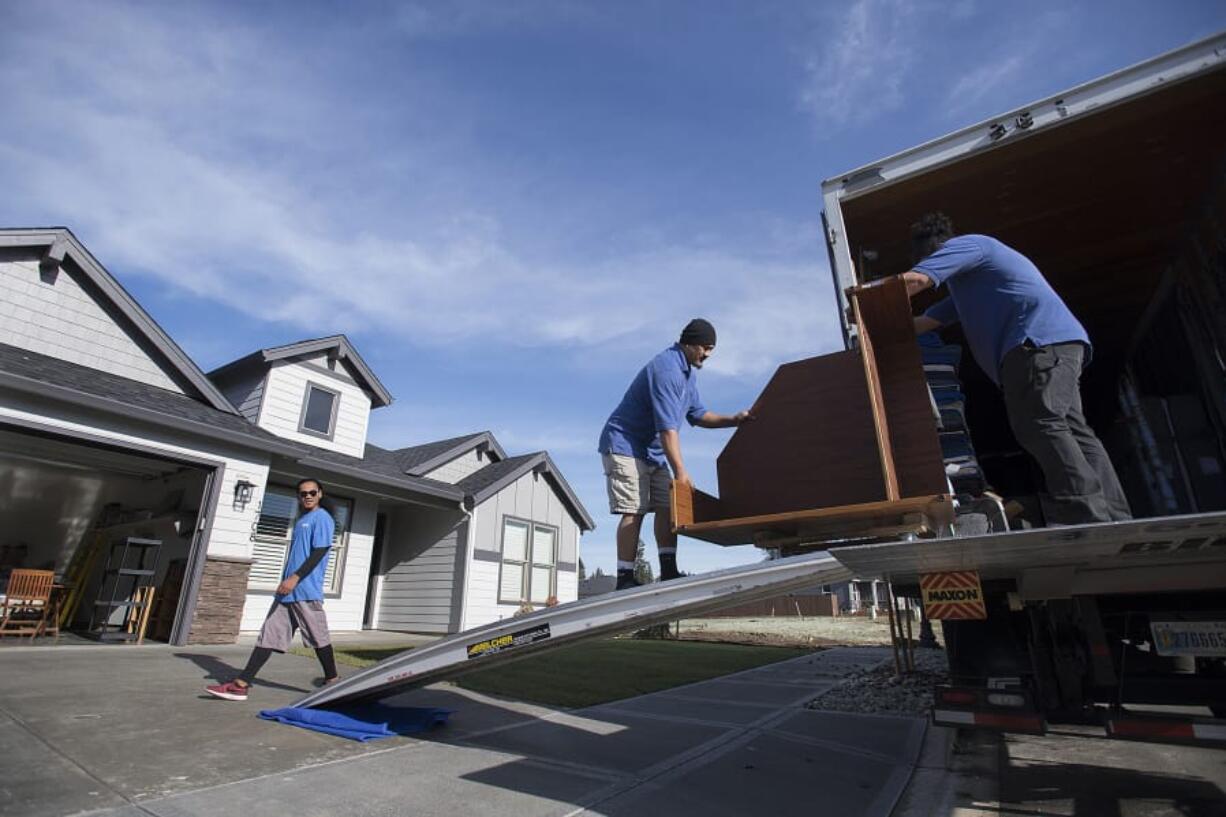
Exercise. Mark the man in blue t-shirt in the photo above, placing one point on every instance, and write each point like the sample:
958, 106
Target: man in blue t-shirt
640, 441
1027, 341
299, 601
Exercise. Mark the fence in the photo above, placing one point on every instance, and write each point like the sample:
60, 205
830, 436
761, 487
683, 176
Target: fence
825, 604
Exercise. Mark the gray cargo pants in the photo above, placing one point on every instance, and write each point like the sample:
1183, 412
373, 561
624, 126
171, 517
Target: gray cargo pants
1042, 388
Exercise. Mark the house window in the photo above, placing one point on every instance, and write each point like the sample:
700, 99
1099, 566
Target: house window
319, 406
274, 529
529, 562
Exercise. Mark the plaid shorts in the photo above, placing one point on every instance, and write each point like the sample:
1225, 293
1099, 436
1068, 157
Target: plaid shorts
285, 617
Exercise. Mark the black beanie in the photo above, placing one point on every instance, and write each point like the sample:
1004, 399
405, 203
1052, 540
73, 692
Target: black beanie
698, 332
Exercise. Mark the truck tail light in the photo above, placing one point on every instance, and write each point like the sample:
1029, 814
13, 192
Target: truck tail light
983, 708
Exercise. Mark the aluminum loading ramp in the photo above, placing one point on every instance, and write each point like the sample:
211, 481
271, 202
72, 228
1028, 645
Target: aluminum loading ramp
604, 615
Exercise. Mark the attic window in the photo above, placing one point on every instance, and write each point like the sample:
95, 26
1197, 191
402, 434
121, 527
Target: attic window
319, 411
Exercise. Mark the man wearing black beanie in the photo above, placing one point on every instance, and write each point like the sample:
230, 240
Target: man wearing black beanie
640, 442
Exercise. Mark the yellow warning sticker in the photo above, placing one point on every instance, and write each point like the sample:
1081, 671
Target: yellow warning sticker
952, 595
508, 641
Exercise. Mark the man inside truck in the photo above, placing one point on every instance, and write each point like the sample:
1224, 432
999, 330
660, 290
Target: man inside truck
1030, 344
640, 442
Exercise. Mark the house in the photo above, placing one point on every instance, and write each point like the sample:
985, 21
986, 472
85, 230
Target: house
597, 584
108, 430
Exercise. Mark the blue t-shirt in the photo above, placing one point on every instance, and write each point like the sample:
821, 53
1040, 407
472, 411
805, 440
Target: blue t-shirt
659, 397
312, 530
1001, 299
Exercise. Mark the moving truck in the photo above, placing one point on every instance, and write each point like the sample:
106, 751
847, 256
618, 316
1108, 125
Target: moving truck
1116, 189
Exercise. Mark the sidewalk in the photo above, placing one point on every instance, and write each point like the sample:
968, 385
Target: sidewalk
127, 732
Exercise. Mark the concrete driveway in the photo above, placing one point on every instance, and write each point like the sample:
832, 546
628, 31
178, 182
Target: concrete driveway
128, 731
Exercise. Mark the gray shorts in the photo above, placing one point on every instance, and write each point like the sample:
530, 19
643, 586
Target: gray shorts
636, 486
285, 617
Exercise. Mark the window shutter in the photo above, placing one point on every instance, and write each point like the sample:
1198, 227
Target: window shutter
274, 528
277, 514
269, 562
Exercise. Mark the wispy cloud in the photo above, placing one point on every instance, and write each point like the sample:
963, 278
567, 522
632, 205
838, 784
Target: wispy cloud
430, 19
224, 164
1016, 59
859, 64
983, 81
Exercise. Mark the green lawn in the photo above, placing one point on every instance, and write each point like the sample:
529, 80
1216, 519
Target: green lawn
599, 671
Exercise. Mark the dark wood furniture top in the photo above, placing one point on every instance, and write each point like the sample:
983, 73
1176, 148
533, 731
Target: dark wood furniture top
841, 444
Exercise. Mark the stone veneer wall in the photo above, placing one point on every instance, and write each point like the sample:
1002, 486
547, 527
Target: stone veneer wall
220, 600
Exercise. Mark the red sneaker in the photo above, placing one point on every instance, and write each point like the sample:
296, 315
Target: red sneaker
231, 691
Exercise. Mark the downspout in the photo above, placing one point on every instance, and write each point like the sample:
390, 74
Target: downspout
470, 539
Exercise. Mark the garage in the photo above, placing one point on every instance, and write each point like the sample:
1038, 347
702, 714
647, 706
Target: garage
119, 527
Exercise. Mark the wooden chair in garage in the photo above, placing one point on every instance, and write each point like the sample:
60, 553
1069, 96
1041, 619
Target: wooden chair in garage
29, 607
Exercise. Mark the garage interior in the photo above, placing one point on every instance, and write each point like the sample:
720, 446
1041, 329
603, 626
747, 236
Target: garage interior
115, 526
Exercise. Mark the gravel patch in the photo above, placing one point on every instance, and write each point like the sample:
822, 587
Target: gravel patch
880, 692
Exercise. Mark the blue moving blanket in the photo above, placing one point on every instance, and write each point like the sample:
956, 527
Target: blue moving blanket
368, 721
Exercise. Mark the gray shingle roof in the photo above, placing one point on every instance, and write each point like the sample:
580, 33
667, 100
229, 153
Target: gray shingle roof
476, 482
381, 465
52, 377
417, 459
61, 375
64, 379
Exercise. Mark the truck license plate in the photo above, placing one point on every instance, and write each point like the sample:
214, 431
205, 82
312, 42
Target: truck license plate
1204, 638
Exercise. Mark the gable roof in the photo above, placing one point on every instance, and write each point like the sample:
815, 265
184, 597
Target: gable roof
337, 345
46, 376
491, 479
378, 465
60, 245
419, 460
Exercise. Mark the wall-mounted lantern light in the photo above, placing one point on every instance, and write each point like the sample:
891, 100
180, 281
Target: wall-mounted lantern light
242, 492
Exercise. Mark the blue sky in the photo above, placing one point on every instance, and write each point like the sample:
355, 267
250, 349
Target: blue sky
509, 206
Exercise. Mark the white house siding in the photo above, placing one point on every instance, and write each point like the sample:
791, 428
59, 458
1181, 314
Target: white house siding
286, 389
245, 394
455, 470
422, 555
55, 316
529, 497
232, 525
345, 611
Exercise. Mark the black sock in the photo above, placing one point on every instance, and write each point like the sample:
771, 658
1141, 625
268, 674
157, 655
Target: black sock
326, 660
625, 575
668, 566
258, 656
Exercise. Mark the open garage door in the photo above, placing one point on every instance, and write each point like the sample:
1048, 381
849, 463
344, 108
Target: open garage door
120, 528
